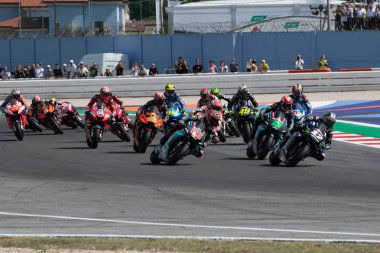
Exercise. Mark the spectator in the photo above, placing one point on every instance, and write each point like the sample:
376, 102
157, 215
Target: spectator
58, 71
66, 71
94, 69
142, 71
197, 68
223, 67
298, 63
248, 65
153, 70
212, 68
27, 71
254, 66
33, 71
49, 73
119, 69
338, 18
72, 69
234, 66
40, 71
134, 69
181, 66
5, 74
82, 71
264, 67
19, 72
108, 72
323, 64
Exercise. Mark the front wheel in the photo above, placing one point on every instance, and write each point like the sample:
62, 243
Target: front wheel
19, 132
55, 126
233, 128
154, 157
95, 137
177, 151
122, 132
300, 155
221, 136
274, 159
144, 141
266, 146
78, 121
34, 125
246, 132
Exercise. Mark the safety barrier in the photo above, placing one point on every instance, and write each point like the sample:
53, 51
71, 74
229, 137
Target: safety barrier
190, 85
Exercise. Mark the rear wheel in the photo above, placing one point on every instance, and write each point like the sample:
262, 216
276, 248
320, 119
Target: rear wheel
19, 132
95, 137
144, 142
221, 136
122, 132
177, 151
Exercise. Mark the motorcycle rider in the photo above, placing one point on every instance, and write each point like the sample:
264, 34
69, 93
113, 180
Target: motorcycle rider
309, 123
207, 120
172, 97
206, 98
158, 101
242, 95
298, 97
216, 92
15, 94
35, 105
108, 98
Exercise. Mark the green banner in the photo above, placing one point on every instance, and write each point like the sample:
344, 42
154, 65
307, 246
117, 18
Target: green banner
258, 18
289, 25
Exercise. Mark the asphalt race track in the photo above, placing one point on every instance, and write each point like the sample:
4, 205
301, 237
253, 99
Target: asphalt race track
53, 184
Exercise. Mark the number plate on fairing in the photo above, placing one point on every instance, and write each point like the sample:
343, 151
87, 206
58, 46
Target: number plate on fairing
196, 133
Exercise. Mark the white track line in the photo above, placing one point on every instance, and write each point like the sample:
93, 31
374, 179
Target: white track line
187, 225
273, 239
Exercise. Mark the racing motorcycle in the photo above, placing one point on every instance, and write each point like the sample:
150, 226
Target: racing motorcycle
69, 116
14, 111
145, 129
48, 117
228, 125
99, 118
244, 117
121, 126
300, 145
267, 135
190, 143
33, 123
172, 117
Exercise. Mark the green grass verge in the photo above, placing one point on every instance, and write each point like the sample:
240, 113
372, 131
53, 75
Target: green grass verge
184, 245
357, 129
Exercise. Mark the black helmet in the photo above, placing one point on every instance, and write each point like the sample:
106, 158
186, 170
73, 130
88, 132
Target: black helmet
329, 118
297, 90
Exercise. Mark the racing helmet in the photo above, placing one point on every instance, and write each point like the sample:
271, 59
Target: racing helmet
36, 99
105, 93
216, 104
286, 103
213, 117
215, 91
169, 89
329, 118
204, 94
297, 90
15, 93
52, 101
243, 89
159, 98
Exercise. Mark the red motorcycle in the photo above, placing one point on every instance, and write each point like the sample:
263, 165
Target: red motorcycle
15, 114
121, 125
69, 116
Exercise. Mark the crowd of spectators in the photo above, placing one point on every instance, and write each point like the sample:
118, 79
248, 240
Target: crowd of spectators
181, 67
358, 16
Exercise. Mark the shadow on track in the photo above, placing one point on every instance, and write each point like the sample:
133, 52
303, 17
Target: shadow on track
7, 140
282, 166
72, 148
163, 164
122, 152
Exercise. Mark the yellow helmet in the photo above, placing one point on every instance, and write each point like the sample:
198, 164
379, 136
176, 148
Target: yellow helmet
170, 87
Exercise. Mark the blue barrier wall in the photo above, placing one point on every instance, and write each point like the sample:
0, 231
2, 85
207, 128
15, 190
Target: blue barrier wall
342, 49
